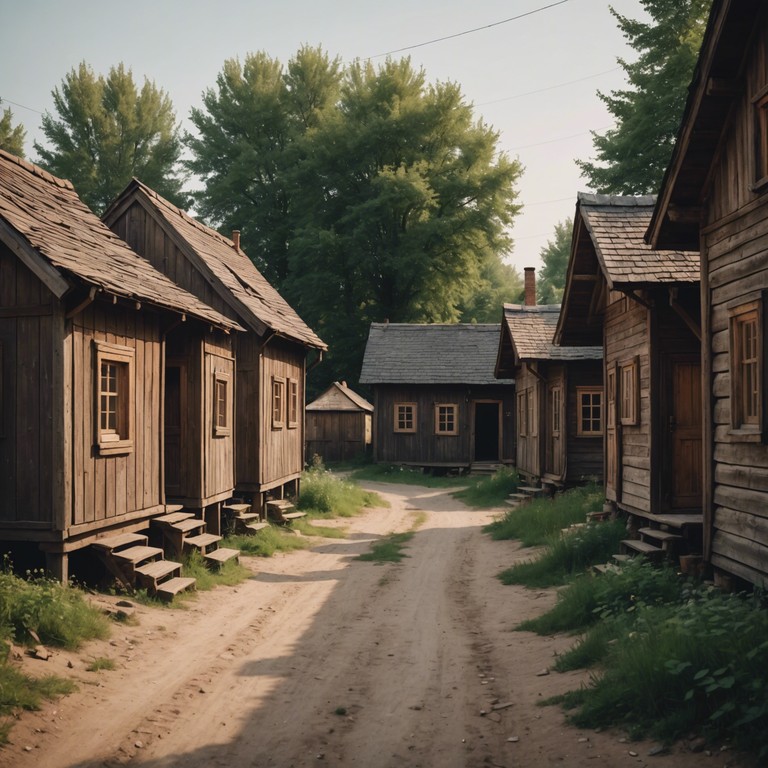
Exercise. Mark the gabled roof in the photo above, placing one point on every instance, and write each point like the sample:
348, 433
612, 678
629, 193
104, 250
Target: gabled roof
526, 336
714, 87
404, 353
608, 252
339, 397
231, 273
57, 236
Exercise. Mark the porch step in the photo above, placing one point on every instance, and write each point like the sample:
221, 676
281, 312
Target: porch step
151, 574
138, 554
237, 509
643, 548
254, 527
173, 517
519, 496
202, 541
606, 568
190, 524
222, 555
620, 559
171, 508
279, 511
169, 589
245, 516
664, 537
530, 489
672, 520
121, 540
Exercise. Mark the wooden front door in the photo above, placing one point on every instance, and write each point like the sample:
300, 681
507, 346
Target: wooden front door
684, 479
555, 426
487, 431
175, 408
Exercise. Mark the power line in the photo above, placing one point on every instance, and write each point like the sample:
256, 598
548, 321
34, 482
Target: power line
469, 31
561, 138
22, 106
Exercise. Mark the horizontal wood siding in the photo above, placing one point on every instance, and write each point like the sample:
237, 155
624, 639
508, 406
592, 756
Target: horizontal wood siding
336, 435
29, 406
734, 248
108, 487
424, 446
627, 336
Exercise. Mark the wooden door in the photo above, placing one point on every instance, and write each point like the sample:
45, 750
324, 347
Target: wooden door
175, 407
487, 442
612, 447
684, 481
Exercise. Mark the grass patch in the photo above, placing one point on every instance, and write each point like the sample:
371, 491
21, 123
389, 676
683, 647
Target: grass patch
388, 550
394, 473
310, 528
228, 574
534, 522
567, 555
267, 541
489, 491
324, 494
100, 663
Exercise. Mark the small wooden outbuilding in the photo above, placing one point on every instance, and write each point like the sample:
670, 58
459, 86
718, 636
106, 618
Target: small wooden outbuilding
339, 424
559, 393
642, 306
436, 401
83, 328
270, 358
714, 197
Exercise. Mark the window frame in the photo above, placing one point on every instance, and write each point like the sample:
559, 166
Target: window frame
591, 391
522, 413
120, 440
278, 402
760, 139
556, 409
739, 314
293, 404
629, 372
454, 418
396, 413
221, 378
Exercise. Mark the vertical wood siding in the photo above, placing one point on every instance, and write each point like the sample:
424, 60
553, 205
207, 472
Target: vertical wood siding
336, 435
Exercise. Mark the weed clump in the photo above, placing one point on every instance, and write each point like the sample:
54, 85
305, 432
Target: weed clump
490, 491
325, 494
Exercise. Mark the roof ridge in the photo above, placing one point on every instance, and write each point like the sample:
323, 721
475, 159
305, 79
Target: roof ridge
36, 170
592, 198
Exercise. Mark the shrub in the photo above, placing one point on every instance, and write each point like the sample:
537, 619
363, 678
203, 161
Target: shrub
490, 491
325, 494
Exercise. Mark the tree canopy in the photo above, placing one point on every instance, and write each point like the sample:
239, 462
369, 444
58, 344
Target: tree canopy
554, 256
107, 130
631, 158
365, 194
11, 137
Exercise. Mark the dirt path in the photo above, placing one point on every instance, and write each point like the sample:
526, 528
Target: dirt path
320, 659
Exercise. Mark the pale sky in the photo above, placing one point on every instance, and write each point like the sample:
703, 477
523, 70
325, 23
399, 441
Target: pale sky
533, 79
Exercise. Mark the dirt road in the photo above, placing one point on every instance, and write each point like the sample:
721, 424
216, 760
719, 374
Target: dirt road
320, 659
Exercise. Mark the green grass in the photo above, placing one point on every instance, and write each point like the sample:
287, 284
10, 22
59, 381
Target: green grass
489, 491
310, 528
100, 663
229, 574
393, 473
267, 541
534, 522
568, 555
324, 494
389, 549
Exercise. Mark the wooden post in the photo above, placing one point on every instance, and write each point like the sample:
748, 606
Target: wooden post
57, 566
212, 516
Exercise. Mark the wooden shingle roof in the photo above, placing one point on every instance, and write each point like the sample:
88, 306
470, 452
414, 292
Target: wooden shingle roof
404, 353
527, 335
229, 270
44, 221
339, 397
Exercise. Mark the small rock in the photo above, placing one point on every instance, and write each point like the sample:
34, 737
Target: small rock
27, 749
201, 690
583, 740
70, 664
321, 755
124, 604
542, 673
483, 713
40, 652
138, 744
513, 739
632, 754
659, 749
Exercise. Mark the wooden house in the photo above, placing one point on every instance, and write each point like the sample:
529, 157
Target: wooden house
559, 393
270, 358
714, 197
83, 329
642, 306
436, 401
339, 424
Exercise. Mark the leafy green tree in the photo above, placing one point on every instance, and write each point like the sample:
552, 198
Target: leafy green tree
11, 138
554, 256
248, 144
499, 283
382, 197
632, 157
108, 131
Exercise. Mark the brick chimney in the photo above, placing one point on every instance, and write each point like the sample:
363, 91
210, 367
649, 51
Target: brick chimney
236, 238
530, 286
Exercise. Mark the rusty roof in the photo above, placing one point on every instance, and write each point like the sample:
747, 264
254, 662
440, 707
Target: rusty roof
617, 225
230, 271
339, 397
49, 217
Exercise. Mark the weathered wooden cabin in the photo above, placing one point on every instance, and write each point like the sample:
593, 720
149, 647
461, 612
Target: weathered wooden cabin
714, 197
436, 401
559, 393
642, 306
339, 424
83, 328
270, 358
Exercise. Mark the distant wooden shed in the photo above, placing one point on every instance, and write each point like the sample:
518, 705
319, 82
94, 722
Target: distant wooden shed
83, 326
339, 424
270, 357
436, 401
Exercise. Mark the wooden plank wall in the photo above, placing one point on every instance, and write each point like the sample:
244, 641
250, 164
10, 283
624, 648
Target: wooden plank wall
627, 335
424, 446
29, 459
107, 487
734, 247
336, 435
248, 415
529, 458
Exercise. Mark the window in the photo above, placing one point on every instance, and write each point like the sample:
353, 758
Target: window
746, 367
221, 404
629, 391
761, 138
114, 398
293, 404
556, 403
446, 419
522, 413
405, 417
278, 403
589, 402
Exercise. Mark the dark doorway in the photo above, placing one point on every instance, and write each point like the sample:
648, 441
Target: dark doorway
487, 431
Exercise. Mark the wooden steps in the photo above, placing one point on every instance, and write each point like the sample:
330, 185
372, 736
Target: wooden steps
282, 512
138, 554
644, 548
221, 555
202, 541
256, 527
151, 574
170, 588
110, 543
172, 517
242, 519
